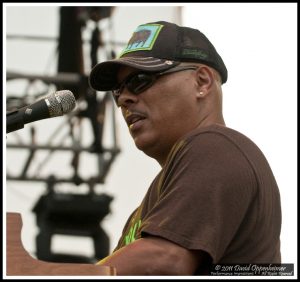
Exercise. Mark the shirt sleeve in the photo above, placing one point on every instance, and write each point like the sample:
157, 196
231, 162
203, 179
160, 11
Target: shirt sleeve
205, 192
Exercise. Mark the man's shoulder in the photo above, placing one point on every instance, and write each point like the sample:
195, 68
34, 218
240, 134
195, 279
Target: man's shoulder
215, 130
218, 136
212, 140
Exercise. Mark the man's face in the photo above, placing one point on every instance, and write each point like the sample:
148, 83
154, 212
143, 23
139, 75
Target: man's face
161, 114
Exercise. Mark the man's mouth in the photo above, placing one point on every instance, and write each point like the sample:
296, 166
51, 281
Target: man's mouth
132, 118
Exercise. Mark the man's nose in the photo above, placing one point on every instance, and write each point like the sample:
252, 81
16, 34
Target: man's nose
127, 98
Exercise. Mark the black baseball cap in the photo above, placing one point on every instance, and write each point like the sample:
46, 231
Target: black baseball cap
158, 46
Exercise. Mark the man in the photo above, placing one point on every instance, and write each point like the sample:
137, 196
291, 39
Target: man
215, 199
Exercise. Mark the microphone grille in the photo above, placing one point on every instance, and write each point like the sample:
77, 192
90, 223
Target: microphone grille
60, 103
67, 100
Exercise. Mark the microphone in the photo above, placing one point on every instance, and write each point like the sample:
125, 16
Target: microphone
52, 105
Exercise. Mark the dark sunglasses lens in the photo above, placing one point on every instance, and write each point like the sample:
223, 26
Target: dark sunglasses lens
140, 82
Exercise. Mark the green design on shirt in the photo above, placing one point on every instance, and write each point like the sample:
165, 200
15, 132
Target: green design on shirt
131, 235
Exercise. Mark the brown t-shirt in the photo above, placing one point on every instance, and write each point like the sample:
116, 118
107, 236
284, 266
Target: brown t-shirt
217, 194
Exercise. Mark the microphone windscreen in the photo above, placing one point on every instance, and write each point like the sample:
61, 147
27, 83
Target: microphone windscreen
60, 102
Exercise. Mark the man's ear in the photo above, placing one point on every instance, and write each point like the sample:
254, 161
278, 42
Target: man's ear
205, 78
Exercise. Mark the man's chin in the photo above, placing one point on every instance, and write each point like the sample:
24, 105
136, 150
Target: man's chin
143, 144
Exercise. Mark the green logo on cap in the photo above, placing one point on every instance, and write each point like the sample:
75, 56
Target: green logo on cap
143, 38
194, 53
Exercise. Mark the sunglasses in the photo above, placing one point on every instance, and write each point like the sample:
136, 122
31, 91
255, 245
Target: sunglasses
138, 82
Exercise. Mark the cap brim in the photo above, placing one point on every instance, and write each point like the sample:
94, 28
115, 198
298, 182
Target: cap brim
103, 76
